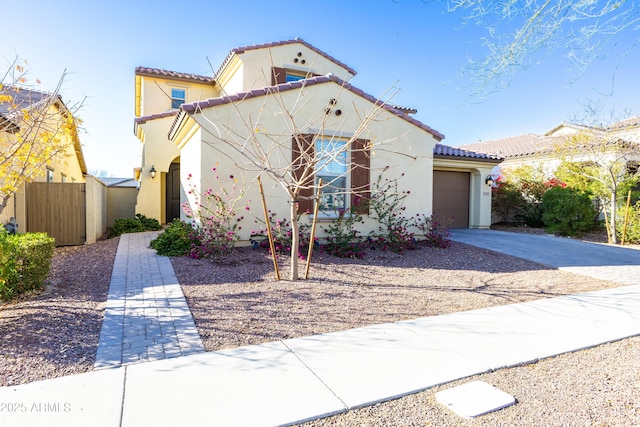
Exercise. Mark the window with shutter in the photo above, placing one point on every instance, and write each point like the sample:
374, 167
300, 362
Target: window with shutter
283, 75
333, 171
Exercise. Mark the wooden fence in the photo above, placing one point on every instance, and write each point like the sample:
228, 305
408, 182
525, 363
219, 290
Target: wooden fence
58, 209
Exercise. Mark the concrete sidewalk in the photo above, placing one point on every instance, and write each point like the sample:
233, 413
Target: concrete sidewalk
299, 379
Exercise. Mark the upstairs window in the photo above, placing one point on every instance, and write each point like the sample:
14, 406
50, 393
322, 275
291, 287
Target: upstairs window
293, 77
49, 175
178, 97
282, 75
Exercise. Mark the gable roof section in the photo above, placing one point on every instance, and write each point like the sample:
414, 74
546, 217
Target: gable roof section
29, 98
196, 106
173, 75
144, 119
241, 50
631, 122
138, 131
445, 151
21, 98
515, 146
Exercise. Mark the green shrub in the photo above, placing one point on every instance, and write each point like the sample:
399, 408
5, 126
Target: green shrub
136, 224
508, 203
176, 240
25, 260
633, 224
342, 238
567, 211
282, 235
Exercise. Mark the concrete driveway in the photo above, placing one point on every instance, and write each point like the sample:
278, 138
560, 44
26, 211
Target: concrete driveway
608, 262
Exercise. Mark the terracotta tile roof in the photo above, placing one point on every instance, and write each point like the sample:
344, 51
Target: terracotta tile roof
515, 146
626, 123
22, 97
240, 50
29, 98
144, 119
446, 151
173, 74
406, 110
196, 106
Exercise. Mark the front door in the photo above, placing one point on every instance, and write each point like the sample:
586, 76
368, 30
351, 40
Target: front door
173, 192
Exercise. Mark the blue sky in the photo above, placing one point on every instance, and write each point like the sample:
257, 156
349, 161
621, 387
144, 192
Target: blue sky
409, 42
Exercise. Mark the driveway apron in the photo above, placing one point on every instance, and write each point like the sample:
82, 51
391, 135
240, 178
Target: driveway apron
615, 263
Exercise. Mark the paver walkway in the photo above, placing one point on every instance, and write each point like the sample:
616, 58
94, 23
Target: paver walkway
147, 317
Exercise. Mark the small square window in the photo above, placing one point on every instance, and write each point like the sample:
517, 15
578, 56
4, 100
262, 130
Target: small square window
294, 77
49, 175
178, 97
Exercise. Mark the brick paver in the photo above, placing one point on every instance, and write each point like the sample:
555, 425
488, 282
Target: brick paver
147, 317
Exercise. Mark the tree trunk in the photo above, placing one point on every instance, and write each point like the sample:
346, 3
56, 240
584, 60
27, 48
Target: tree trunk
3, 202
295, 241
614, 235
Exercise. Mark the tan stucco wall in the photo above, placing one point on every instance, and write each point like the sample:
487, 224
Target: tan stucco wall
256, 66
155, 93
158, 152
389, 134
96, 216
121, 203
231, 80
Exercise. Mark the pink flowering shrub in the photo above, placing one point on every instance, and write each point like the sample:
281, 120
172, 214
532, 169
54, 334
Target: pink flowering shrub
343, 240
216, 219
435, 234
282, 236
394, 229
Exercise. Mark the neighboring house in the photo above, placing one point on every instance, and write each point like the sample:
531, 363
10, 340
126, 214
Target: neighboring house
545, 152
67, 166
183, 121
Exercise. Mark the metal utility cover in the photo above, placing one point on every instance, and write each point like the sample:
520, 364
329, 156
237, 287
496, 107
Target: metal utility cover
474, 399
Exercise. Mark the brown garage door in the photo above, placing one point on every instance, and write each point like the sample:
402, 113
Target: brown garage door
451, 197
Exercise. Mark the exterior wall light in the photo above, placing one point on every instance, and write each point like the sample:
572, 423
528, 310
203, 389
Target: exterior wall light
489, 181
152, 172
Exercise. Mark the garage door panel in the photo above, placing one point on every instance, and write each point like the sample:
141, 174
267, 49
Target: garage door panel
451, 197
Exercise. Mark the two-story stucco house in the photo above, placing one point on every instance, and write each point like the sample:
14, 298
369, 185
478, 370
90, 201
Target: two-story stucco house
272, 110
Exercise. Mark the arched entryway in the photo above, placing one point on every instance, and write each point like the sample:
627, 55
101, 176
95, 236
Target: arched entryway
173, 192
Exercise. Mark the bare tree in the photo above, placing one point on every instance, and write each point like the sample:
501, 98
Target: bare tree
289, 154
520, 33
35, 127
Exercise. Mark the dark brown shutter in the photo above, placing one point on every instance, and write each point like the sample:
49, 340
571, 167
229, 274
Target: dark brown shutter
303, 144
278, 75
360, 175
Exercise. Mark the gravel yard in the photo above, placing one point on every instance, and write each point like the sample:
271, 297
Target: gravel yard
56, 332
238, 302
